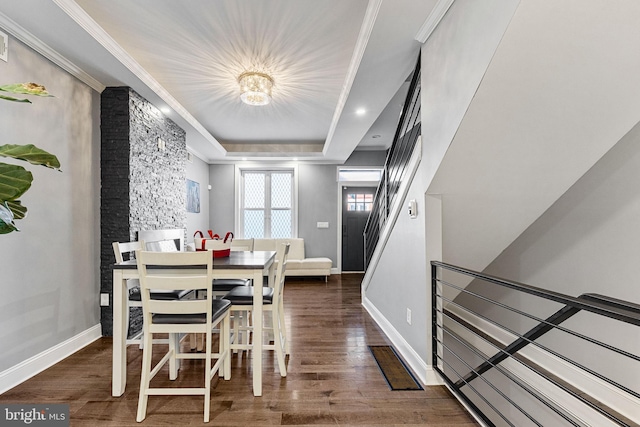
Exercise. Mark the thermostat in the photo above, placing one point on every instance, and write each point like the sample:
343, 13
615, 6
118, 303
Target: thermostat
413, 209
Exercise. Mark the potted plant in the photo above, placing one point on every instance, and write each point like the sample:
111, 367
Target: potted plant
15, 180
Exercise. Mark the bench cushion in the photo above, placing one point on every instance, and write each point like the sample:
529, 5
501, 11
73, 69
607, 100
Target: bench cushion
229, 284
243, 295
297, 264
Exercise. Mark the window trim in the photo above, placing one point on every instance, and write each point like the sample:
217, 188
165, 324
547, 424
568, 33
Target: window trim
239, 169
352, 182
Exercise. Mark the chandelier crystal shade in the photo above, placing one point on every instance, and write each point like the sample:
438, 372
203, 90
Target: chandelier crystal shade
255, 88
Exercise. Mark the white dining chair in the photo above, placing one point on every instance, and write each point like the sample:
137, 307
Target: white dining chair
272, 298
222, 286
187, 271
122, 249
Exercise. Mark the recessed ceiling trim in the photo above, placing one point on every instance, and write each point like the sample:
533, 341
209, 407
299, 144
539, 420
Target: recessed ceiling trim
75, 12
433, 20
261, 149
45, 50
363, 39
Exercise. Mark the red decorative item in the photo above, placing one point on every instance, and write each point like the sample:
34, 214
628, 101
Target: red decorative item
221, 247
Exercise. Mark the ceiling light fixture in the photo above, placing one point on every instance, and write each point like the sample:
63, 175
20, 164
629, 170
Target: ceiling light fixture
255, 88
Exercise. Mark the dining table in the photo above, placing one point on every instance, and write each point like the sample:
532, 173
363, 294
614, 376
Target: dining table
252, 265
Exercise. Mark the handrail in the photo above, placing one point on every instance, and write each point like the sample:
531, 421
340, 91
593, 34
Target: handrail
629, 314
536, 332
395, 166
450, 349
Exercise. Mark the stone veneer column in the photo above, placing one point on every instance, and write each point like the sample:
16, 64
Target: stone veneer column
143, 182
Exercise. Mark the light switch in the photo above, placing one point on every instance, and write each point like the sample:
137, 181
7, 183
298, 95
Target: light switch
323, 225
104, 300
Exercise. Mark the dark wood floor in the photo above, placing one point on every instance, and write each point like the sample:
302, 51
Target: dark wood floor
332, 377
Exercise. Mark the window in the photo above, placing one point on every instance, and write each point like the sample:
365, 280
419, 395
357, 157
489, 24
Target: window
267, 204
359, 202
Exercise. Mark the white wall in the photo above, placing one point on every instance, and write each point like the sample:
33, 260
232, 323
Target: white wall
50, 270
198, 171
454, 60
222, 198
317, 200
587, 242
519, 100
560, 91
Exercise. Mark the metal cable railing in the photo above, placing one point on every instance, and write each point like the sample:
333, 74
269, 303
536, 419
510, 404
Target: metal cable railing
520, 355
395, 165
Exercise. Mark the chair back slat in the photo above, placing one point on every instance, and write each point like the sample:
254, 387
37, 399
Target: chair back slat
175, 234
168, 281
178, 306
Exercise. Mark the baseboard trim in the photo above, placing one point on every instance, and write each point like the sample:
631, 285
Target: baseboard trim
21, 372
424, 372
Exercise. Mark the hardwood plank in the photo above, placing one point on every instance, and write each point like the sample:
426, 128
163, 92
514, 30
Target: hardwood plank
332, 378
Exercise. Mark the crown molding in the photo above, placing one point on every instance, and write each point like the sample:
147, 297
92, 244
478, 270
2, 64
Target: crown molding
363, 39
433, 20
45, 50
79, 16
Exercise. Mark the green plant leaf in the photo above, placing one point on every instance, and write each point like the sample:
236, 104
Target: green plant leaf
26, 88
7, 228
11, 98
31, 154
6, 220
14, 181
19, 211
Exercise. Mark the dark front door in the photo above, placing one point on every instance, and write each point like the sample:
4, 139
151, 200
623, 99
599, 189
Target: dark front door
356, 206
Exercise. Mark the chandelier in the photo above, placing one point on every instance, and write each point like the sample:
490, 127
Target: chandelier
255, 88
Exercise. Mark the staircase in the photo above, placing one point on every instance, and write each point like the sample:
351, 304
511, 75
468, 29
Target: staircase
531, 360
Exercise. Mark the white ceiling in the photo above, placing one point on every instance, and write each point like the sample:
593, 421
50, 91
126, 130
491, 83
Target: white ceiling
327, 58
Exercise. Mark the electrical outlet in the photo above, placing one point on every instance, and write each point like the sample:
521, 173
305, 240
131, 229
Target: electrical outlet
408, 315
104, 300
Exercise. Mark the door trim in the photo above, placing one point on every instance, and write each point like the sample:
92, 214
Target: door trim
339, 219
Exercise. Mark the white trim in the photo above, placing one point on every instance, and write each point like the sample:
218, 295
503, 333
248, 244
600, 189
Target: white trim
432, 21
355, 168
617, 400
425, 372
398, 206
466, 406
82, 18
358, 52
339, 219
45, 50
21, 372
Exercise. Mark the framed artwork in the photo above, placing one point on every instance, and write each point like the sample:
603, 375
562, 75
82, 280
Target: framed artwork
193, 196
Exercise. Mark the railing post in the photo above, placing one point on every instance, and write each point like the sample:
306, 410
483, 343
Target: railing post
434, 316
